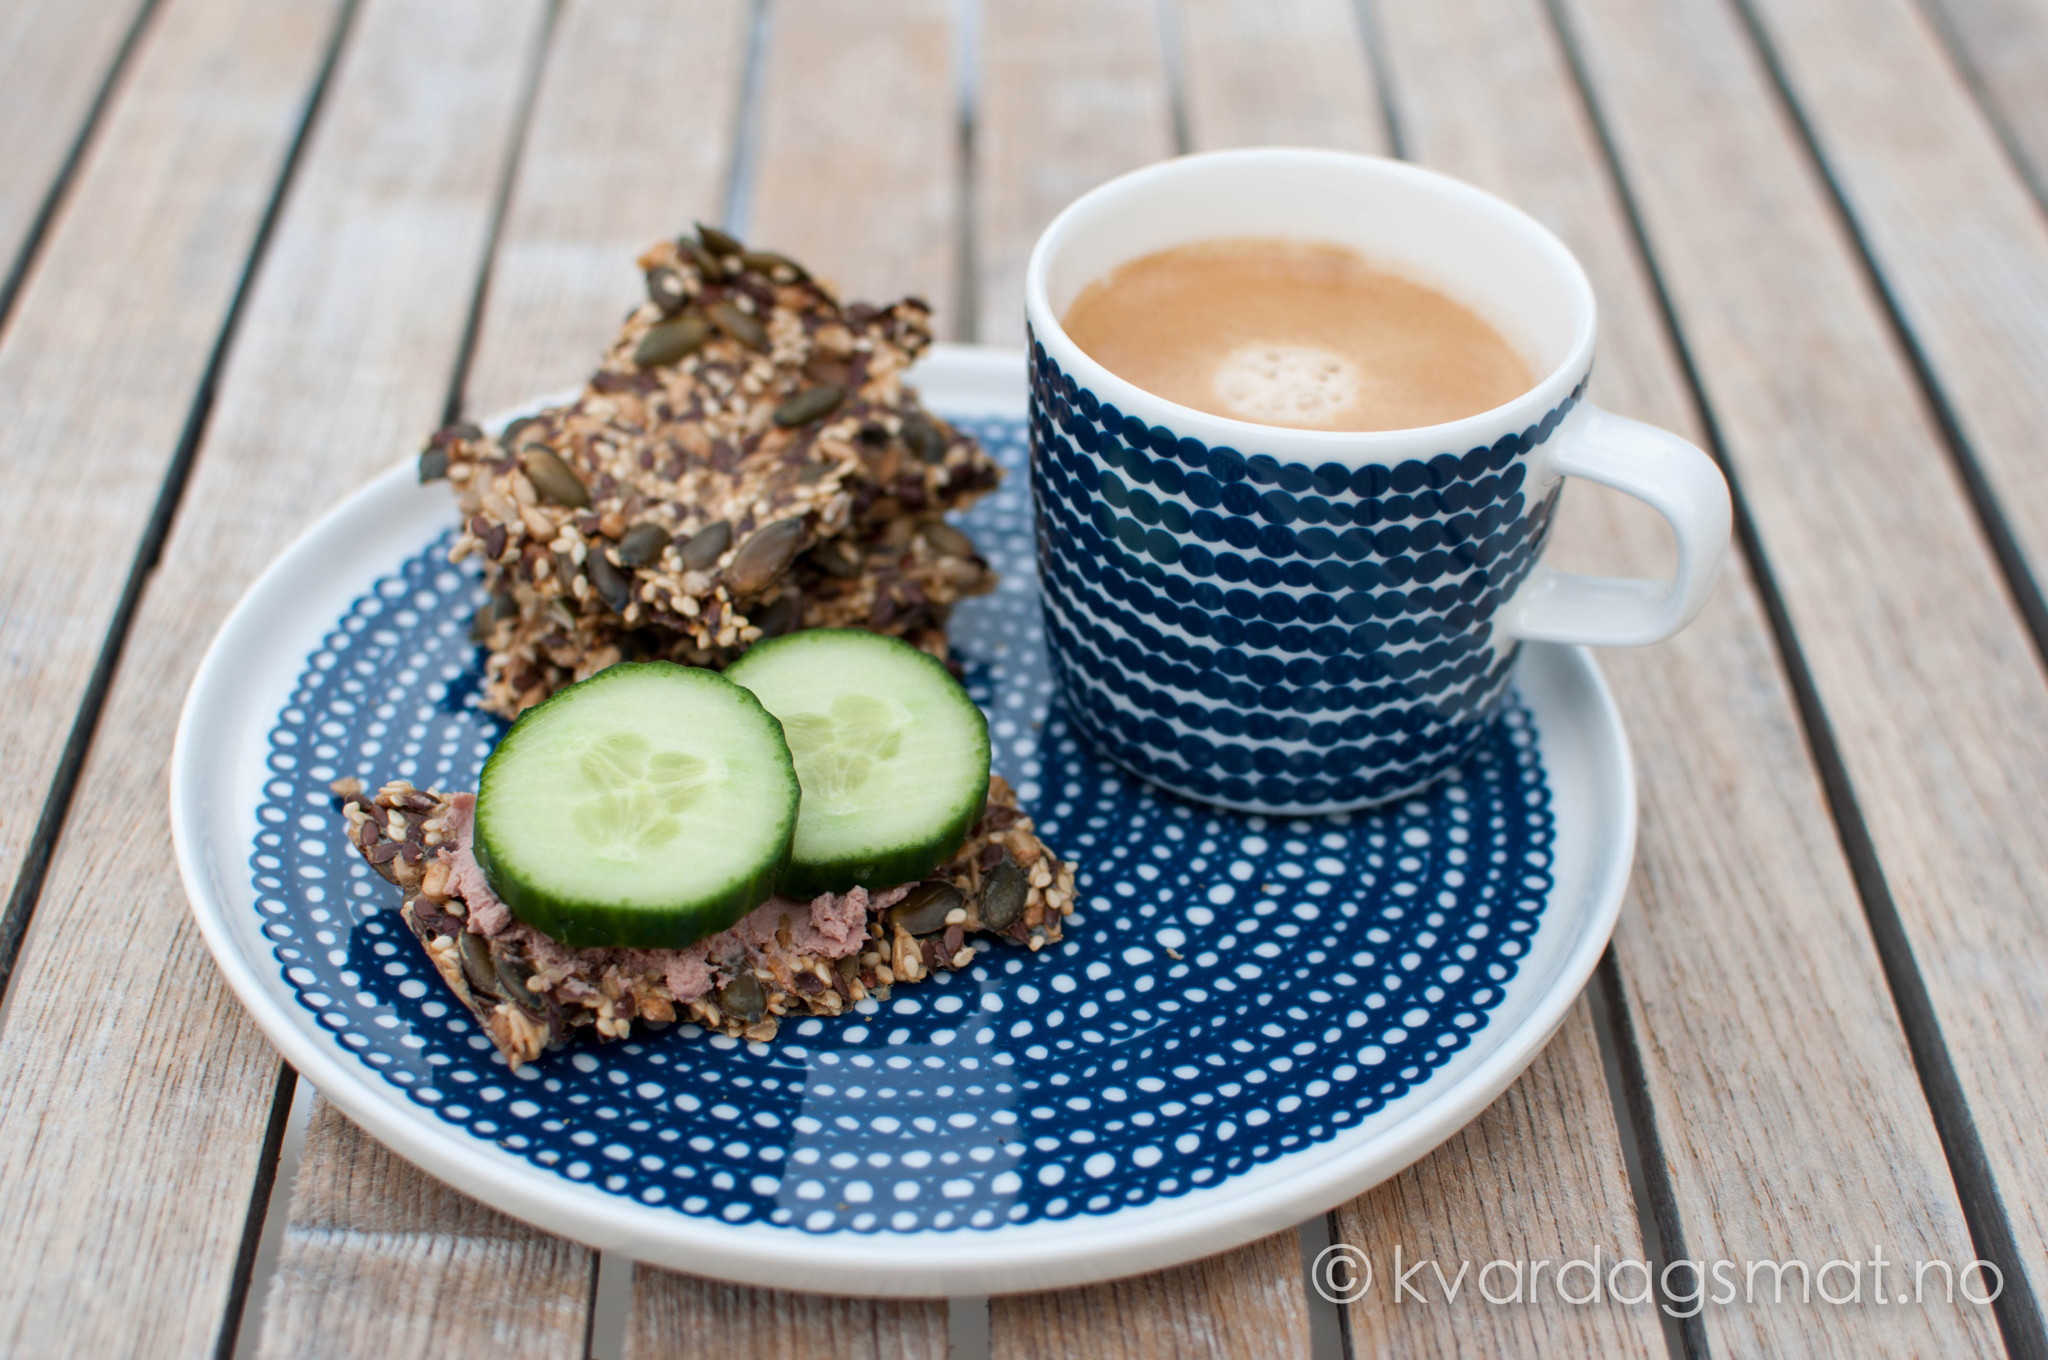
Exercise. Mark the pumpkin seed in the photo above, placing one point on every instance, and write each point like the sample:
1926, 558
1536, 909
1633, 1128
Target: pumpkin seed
767, 552
613, 586
665, 289
835, 558
1002, 895
503, 606
924, 438
668, 341
780, 617
744, 997
642, 544
706, 546
513, 975
433, 463
809, 404
465, 432
477, 968
515, 434
551, 477
499, 607
719, 242
767, 262
925, 908
947, 539
703, 261
740, 324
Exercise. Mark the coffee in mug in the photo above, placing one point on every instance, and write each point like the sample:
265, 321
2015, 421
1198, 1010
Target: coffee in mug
1305, 334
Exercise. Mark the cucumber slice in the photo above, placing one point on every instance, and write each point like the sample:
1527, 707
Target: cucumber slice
648, 806
891, 753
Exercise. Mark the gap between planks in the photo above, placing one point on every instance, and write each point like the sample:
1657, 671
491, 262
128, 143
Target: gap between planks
1737, 844
66, 764
77, 39
1934, 883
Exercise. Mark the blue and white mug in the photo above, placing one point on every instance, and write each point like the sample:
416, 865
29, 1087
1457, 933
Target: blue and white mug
1303, 621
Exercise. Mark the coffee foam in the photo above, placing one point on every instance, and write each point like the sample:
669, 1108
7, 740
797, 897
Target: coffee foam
1274, 382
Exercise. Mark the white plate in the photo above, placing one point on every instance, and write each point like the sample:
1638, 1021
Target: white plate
1250, 1021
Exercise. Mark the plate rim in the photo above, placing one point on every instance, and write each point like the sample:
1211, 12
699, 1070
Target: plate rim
979, 381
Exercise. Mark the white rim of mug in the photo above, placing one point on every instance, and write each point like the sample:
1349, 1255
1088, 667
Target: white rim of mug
1353, 447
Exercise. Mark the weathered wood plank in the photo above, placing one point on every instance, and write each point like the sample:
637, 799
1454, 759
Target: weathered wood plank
1250, 1303
677, 1314
602, 178
1960, 241
380, 1259
583, 205
2003, 44
134, 1091
1744, 928
109, 339
1073, 92
1287, 73
1538, 1177
55, 57
1930, 685
858, 168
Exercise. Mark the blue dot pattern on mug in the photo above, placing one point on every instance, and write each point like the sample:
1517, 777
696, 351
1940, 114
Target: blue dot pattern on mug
1269, 634
1232, 989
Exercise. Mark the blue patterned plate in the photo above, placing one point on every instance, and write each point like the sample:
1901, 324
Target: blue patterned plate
1250, 1019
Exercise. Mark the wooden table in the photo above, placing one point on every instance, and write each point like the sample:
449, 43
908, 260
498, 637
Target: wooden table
254, 249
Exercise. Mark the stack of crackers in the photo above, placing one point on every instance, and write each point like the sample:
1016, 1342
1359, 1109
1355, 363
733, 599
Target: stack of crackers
747, 461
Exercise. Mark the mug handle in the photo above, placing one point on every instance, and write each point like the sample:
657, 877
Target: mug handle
1675, 478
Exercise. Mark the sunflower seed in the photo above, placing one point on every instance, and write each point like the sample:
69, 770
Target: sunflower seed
809, 404
1002, 896
741, 325
767, 552
718, 242
706, 546
551, 477
926, 907
642, 544
671, 340
433, 463
613, 586
665, 289
744, 997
